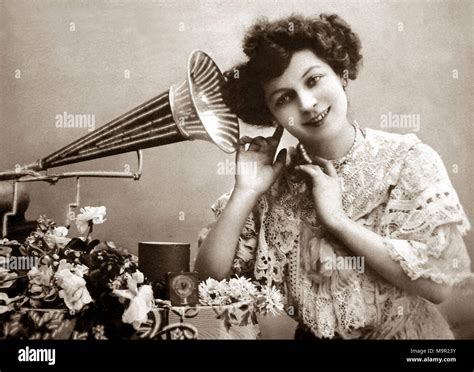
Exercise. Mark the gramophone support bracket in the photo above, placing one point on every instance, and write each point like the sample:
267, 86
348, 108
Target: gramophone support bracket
53, 178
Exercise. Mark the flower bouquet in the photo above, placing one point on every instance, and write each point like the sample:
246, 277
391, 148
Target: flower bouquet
56, 287
70, 288
250, 297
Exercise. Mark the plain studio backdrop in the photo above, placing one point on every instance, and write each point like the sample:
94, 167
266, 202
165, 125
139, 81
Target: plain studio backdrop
103, 58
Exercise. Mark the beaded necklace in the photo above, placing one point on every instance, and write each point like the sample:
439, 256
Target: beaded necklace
338, 162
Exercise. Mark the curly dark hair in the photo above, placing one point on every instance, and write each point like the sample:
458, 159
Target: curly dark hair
269, 47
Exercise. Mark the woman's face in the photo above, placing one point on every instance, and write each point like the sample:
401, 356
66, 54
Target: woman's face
308, 99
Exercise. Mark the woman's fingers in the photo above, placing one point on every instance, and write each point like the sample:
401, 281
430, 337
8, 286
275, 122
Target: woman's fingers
253, 146
331, 170
326, 165
257, 143
260, 141
245, 139
278, 134
315, 171
274, 141
243, 142
320, 161
266, 143
280, 161
312, 170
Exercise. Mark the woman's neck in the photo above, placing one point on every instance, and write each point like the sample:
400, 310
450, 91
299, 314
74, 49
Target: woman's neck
333, 148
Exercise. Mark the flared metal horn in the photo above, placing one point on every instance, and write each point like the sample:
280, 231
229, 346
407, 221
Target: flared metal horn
192, 109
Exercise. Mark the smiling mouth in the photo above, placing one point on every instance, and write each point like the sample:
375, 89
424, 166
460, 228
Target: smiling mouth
318, 120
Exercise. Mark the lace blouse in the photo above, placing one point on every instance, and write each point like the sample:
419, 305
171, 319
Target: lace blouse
393, 185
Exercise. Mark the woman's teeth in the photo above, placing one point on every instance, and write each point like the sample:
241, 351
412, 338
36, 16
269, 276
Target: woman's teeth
320, 117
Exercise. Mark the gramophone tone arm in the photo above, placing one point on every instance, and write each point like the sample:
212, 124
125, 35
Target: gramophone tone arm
28, 175
32, 176
100, 174
15, 175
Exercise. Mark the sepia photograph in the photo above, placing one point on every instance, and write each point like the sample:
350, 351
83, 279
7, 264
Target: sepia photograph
288, 170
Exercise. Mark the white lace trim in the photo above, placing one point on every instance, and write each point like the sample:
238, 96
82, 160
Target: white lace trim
396, 187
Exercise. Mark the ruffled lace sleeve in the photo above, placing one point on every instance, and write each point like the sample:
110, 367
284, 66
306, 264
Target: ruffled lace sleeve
424, 221
244, 260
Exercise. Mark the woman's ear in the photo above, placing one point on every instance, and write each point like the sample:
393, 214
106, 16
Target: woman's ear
344, 84
344, 80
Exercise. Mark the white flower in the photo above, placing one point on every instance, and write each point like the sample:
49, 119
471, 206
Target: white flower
271, 301
74, 290
241, 289
58, 237
212, 292
136, 278
141, 299
132, 281
94, 214
40, 282
140, 306
79, 270
268, 300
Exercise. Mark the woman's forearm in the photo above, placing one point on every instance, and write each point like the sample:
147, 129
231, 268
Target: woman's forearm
217, 252
375, 251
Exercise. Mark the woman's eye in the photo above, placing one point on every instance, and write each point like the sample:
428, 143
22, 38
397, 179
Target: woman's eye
283, 99
313, 80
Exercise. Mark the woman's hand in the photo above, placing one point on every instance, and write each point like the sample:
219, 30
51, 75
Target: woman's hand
327, 192
256, 171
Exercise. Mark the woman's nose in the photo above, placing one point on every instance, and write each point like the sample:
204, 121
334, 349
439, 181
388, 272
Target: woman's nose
307, 101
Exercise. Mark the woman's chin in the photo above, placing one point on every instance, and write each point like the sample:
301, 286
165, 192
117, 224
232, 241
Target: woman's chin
320, 127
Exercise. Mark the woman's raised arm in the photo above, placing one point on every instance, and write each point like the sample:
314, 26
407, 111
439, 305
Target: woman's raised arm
217, 252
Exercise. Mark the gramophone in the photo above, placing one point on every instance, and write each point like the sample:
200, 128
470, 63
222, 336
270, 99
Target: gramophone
194, 109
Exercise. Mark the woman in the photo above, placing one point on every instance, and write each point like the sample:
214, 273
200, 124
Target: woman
361, 229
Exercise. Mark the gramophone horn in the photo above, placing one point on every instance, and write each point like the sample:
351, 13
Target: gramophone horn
192, 109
